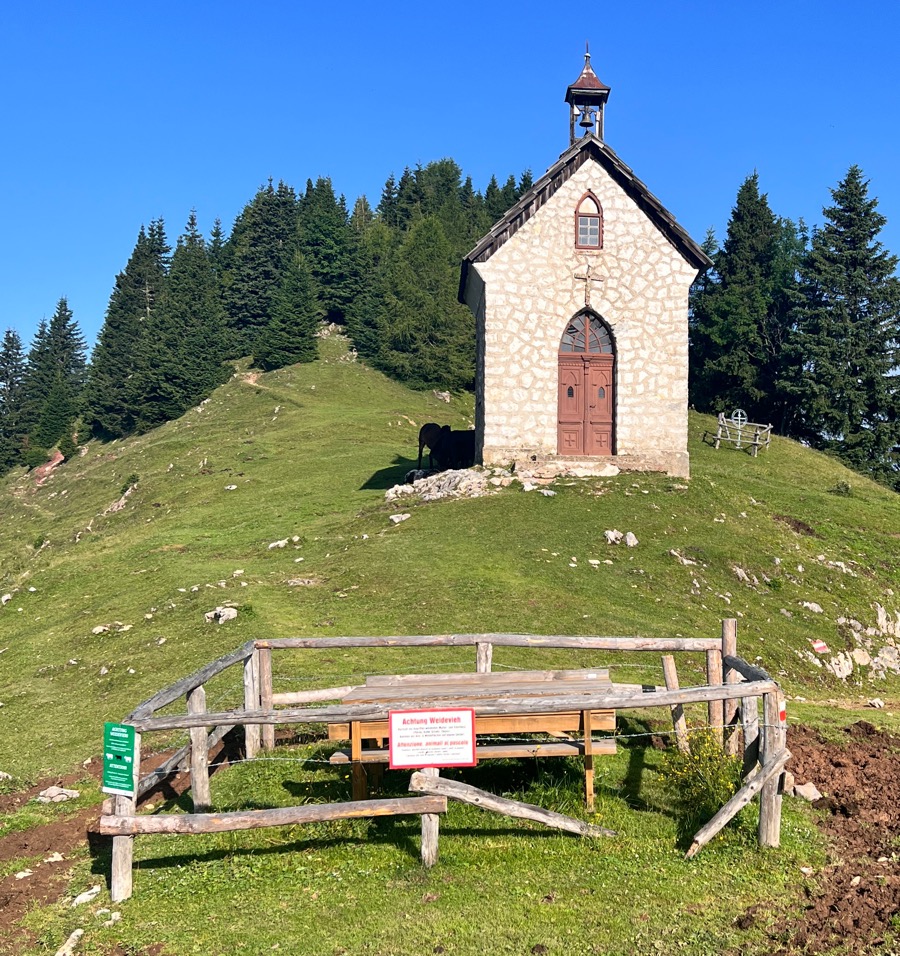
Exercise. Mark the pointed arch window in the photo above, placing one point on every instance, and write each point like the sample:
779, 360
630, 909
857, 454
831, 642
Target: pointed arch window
587, 333
589, 223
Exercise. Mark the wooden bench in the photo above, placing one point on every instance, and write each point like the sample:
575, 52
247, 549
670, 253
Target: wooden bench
401, 691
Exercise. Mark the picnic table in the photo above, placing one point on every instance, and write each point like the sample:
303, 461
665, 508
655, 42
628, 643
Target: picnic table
571, 728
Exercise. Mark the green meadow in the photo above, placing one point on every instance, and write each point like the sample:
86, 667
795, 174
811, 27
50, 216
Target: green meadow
304, 456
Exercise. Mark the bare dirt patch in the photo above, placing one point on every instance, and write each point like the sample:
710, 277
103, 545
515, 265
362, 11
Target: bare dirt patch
854, 900
798, 526
48, 882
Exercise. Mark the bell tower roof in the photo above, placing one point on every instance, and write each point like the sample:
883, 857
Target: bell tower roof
588, 88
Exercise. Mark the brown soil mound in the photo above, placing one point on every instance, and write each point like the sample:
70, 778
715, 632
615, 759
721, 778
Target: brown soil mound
858, 894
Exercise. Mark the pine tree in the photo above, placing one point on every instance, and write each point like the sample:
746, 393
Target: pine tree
426, 337
183, 351
362, 216
844, 356
259, 253
12, 377
494, 205
110, 410
740, 314
508, 195
54, 377
57, 415
329, 246
526, 181
291, 335
409, 200
387, 208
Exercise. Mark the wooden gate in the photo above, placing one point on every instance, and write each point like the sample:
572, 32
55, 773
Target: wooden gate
586, 423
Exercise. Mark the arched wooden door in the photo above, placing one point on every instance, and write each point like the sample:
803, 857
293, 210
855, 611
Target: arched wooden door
586, 424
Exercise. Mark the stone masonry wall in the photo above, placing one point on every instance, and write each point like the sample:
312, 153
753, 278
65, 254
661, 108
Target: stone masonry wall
530, 293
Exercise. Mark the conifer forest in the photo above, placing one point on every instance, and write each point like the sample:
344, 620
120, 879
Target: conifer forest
799, 327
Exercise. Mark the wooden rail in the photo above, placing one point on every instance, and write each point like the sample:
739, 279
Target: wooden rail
342, 713
279, 817
501, 640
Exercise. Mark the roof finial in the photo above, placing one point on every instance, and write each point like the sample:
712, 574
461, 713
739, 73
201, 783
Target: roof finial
587, 52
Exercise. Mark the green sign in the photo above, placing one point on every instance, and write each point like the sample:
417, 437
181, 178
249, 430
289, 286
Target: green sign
118, 759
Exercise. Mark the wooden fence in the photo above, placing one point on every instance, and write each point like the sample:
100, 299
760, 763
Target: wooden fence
732, 694
749, 435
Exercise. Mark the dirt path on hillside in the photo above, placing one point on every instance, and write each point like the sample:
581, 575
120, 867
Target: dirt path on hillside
852, 901
37, 847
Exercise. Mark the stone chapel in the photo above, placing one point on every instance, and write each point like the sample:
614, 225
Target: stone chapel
580, 297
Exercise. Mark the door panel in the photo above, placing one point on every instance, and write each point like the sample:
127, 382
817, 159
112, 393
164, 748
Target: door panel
598, 433
570, 430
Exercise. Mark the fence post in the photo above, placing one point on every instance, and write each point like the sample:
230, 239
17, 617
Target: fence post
251, 702
123, 847
750, 721
678, 721
265, 694
196, 704
715, 709
484, 653
431, 823
774, 741
729, 649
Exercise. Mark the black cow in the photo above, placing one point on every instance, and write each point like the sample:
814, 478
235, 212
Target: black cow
455, 449
428, 438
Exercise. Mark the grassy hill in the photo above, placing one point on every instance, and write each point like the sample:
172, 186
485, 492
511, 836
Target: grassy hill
306, 454
107, 606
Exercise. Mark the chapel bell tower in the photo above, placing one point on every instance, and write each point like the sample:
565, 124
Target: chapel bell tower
587, 98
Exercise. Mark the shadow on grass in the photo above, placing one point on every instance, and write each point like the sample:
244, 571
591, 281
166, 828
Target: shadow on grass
388, 831
386, 478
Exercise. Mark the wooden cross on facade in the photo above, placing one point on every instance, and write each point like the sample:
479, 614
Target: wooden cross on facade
588, 279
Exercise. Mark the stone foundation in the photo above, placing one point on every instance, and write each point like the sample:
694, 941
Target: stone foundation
675, 464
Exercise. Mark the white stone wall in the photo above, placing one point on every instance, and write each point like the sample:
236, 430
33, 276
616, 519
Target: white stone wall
530, 292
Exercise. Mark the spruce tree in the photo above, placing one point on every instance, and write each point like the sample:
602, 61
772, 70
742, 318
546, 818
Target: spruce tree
494, 204
259, 253
740, 313
427, 338
110, 402
291, 335
54, 378
843, 358
410, 200
12, 377
362, 216
387, 208
182, 353
329, 246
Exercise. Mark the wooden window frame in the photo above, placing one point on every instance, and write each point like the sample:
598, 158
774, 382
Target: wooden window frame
598, 216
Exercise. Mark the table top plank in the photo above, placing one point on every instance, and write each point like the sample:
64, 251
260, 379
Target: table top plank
499, 677
470, 691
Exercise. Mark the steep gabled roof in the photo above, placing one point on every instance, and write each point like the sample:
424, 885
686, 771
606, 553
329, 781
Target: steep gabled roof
588, 147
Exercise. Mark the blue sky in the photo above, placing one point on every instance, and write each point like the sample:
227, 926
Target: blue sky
117, 113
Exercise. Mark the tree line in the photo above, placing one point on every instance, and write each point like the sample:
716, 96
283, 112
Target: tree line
176, 318
800, 328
